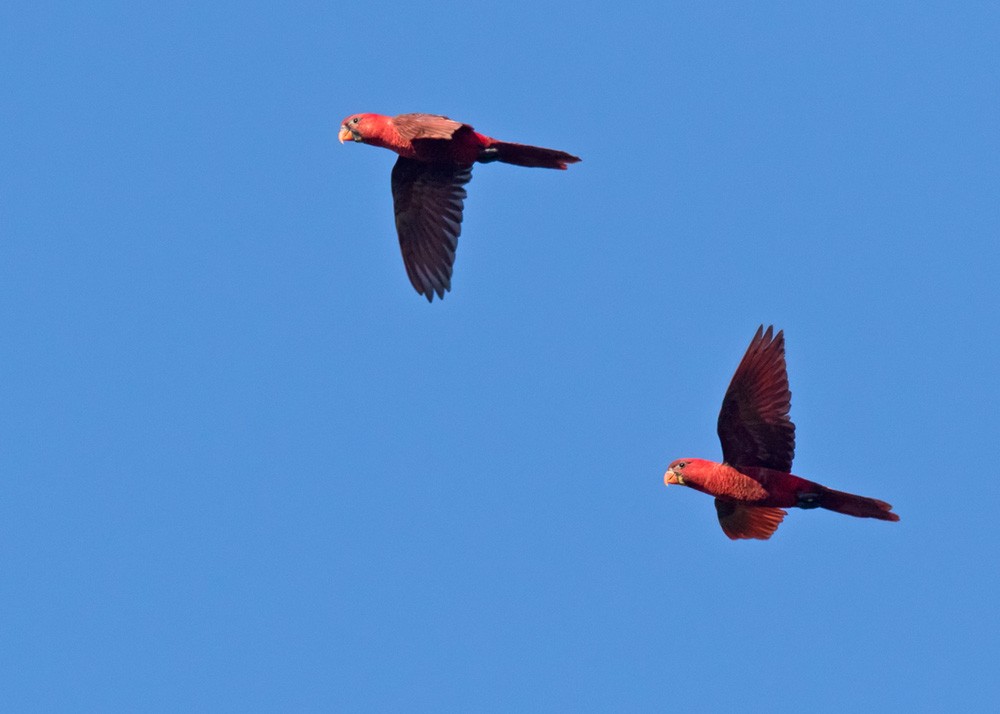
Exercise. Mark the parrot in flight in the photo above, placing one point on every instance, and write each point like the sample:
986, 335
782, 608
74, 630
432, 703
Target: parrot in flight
428, 183
753, 485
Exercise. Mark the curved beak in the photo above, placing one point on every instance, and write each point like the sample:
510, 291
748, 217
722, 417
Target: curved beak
344, 134
671, 477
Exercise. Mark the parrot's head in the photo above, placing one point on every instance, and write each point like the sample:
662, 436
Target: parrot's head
688, 472
353, 128
675, 473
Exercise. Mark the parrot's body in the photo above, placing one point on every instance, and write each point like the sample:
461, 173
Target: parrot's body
754, 484
435, 161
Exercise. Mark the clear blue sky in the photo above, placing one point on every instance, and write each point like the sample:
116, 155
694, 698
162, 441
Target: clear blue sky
245, 467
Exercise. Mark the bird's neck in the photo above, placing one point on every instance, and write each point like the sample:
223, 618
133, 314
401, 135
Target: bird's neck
722, 480
701, 474
383, 133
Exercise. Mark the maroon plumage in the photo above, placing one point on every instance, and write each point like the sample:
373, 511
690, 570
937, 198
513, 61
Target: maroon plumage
754, 426
754, 484
428, 183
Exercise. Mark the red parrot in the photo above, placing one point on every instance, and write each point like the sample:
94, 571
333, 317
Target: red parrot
753, 486
435, 162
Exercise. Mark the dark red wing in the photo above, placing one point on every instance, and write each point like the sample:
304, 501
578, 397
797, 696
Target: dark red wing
754, 426
428, 201
425, 126
739, 520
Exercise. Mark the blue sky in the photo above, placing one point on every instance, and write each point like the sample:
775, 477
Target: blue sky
246, 468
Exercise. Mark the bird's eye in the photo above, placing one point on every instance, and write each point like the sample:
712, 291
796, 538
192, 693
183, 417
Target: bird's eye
682, 464
354, 120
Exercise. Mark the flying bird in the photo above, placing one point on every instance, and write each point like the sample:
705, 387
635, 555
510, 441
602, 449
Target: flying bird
753, 485
435, 161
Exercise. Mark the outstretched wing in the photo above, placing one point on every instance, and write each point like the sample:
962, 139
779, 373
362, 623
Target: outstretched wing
754, 426
428, 201
742, 521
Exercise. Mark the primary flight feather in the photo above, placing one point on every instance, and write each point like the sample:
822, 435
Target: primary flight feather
435, 161
753, 485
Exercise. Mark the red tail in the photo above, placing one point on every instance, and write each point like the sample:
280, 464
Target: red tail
533, 156
856, 505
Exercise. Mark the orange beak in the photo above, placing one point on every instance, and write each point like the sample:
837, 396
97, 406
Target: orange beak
345, 134
671, 477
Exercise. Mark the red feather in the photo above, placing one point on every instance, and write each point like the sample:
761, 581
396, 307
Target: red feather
741, 521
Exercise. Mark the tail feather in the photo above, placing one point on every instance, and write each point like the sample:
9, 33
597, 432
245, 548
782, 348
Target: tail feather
853, 505
531, 156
